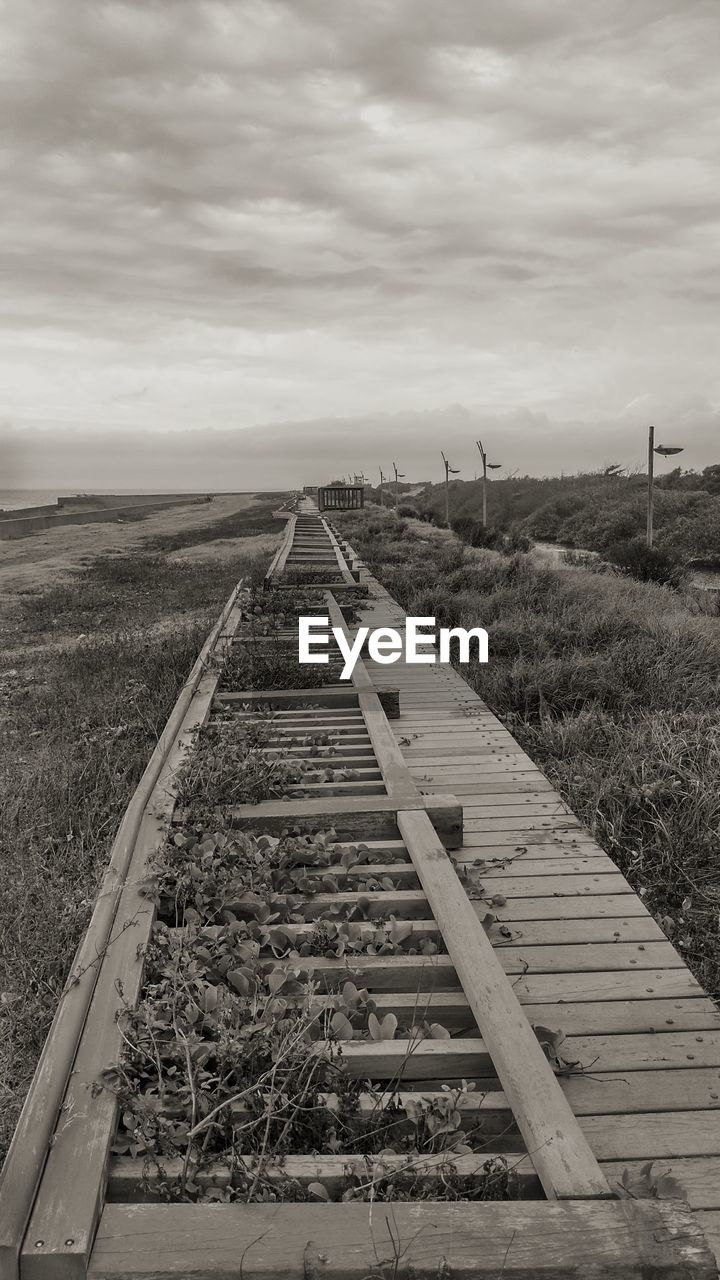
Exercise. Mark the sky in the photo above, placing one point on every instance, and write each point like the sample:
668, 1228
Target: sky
254, 242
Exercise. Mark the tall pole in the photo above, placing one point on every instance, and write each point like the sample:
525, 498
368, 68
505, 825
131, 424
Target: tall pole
396, 482
448, 471
651, 478
483, 455
382, 499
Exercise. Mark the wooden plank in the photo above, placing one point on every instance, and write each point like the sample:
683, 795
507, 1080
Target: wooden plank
327, 696
530, 886
597, 864
572, 906
277, 563
128, 1185
520, 824
469, 1057
653, 1135
626, 1240
648, 1016
663, 1090
130, 1180
563, 1160
484, 873
345, 573
352, 818
533, 933
598, 957
422, 973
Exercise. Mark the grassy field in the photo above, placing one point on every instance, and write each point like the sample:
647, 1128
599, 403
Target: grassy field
94, 654
611, 686
594, 511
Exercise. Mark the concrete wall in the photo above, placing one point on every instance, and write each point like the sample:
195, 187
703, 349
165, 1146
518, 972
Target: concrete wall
48, 510
21, 526
99, 501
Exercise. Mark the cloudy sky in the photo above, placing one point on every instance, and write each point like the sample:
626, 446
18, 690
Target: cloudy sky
252, 239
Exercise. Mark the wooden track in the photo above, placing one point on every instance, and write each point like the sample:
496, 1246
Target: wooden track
436, 783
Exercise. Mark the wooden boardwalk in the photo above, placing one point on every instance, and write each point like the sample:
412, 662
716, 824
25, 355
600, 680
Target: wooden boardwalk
586, 956
535, 938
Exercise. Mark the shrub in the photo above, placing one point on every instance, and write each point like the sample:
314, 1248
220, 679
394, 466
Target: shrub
407, 509
475, 534
646, 564
515, 541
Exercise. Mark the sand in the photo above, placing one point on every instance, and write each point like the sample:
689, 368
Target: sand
44, 559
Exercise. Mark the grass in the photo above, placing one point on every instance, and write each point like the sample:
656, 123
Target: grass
242, 524
593, 511
611, 686
95, 667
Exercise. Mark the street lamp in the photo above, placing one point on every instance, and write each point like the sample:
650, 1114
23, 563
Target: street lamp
665, 451
399, 475
449, 471
382, 480
487, 466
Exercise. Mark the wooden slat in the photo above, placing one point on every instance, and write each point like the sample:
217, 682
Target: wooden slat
278, 562
132, 1181
327, 697
353, 818
564, 1162
624, 1240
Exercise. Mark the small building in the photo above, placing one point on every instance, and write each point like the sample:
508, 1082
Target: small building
310, 490
341, 497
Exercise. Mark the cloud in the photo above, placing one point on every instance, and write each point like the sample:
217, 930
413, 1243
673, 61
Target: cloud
315, 451
260, 210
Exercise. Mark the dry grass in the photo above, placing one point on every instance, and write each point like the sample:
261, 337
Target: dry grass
93, 668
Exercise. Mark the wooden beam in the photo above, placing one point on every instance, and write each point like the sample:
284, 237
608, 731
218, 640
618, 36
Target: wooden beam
521, 1240
345, 573
564, 1161
398, 780
278, 561
353, 818
342, 696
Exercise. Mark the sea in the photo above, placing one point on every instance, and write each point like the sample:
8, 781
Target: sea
14, 499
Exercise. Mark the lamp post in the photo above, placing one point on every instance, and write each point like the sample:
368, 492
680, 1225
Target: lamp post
492, 466
449, 471
665, 451
382, 480
399, 475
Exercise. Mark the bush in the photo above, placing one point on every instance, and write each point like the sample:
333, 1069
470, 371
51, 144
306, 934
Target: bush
515, 541
408, 510
475, 534
646, 564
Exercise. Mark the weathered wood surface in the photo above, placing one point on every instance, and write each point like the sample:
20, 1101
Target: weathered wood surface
352, 818
329, 696
552, 879
618, 1240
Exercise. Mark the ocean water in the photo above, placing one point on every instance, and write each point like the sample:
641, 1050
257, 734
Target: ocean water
14, 499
